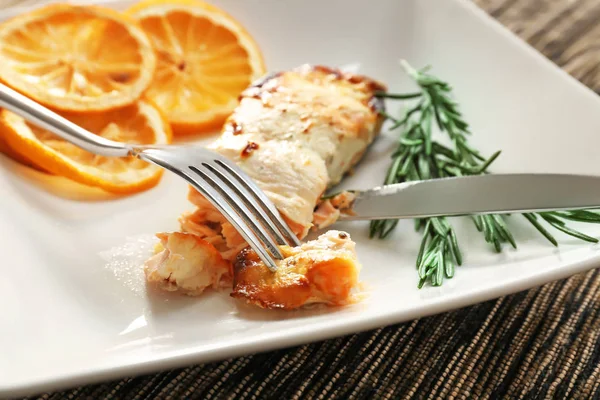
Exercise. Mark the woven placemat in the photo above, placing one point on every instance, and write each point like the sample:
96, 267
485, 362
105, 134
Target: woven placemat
538, 344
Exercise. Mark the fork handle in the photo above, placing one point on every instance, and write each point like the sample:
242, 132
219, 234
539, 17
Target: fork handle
51, 121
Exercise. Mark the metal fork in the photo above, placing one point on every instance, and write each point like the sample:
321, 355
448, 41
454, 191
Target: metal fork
218, 179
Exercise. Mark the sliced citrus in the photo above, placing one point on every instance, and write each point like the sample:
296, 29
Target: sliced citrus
8, 151
140, 122
76, 58
205, 60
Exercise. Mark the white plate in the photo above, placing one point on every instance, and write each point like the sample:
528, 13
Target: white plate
74, 305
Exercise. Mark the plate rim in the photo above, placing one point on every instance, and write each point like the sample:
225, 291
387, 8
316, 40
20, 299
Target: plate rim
313, 333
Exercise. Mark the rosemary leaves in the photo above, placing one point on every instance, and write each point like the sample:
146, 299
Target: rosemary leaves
420, 157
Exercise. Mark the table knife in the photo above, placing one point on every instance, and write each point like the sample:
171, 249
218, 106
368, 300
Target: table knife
482, 194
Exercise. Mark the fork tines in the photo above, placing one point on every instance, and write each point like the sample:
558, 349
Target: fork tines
233, 194
254, 219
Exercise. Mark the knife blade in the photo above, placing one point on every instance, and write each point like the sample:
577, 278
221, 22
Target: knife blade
483, 194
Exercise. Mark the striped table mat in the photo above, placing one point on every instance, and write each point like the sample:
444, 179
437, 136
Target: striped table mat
538, 344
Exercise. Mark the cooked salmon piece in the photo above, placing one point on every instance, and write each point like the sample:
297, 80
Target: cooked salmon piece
328, 211
295, 133
324, 271
298, 132
187, 264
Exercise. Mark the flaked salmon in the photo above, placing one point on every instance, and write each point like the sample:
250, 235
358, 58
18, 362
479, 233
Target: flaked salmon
295, 133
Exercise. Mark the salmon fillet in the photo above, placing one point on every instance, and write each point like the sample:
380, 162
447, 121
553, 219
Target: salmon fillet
295, 133
321, 271
298, 132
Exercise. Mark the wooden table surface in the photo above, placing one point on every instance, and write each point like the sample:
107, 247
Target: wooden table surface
541, 343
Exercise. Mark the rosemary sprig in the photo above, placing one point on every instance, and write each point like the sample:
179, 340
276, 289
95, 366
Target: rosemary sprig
420, 157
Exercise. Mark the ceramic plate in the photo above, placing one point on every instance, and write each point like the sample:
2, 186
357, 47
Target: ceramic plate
74, 305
